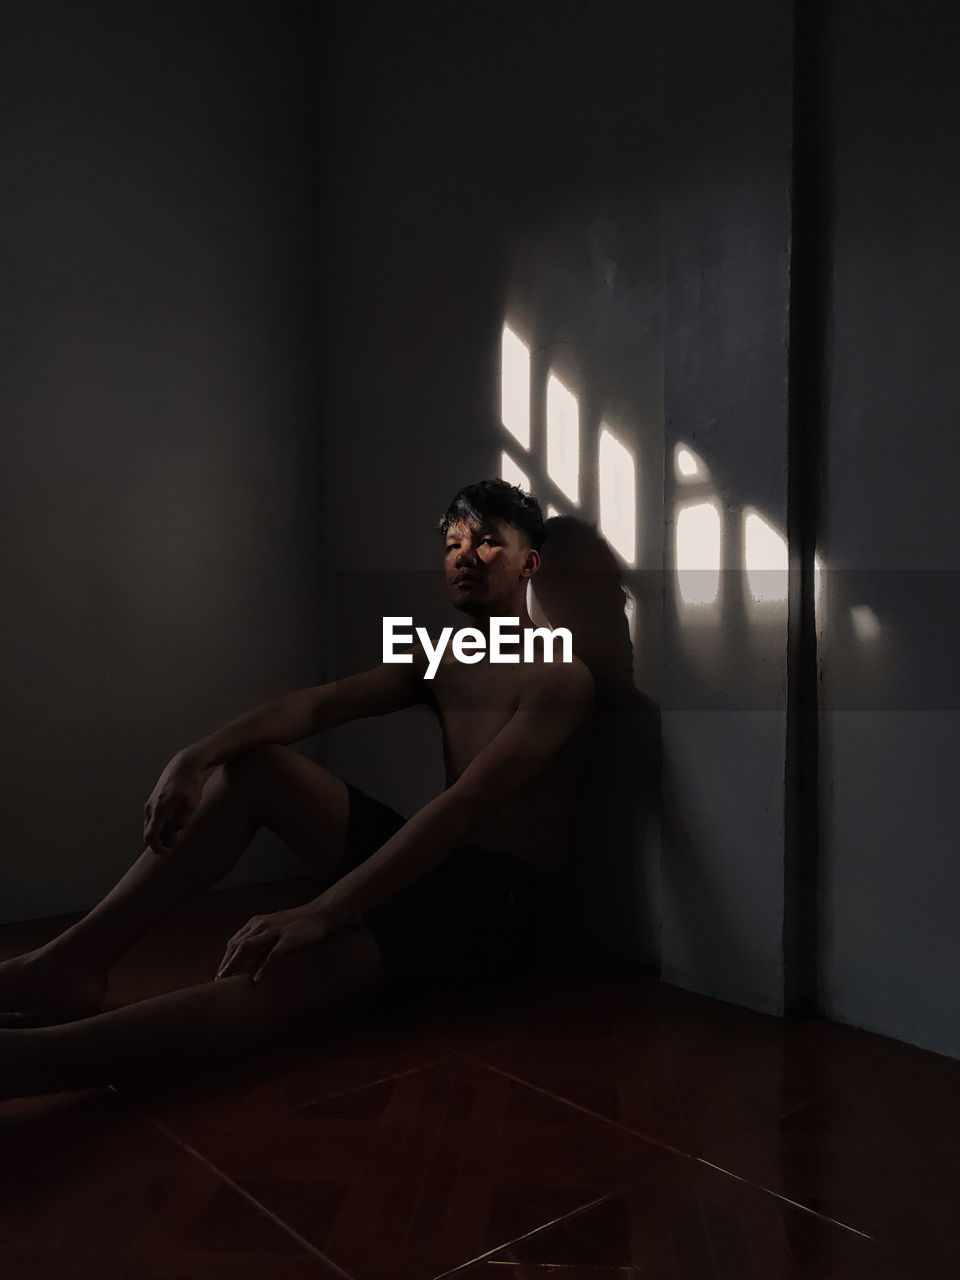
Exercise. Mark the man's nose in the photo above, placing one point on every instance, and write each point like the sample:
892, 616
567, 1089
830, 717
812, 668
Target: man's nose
468, 558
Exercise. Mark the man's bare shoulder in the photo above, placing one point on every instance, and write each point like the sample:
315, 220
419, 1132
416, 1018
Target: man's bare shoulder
573, 677
420, 660
552, 684
421, 664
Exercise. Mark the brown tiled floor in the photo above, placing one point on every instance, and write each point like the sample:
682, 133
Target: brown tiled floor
578, 1131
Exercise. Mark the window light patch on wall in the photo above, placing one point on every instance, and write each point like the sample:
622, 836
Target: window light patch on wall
510, 472
515, 386
698, 553
563, 438
688, 466
617, 476
766, 559
630, 611
865, 623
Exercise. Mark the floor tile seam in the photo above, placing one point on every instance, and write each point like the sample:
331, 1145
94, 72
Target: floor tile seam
288, 1111
577, 1106
758, 1186
526, 1235
756, 1124
250, 1199
353, 1088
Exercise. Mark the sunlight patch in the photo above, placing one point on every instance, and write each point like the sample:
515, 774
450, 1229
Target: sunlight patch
563, 438
866, 624
698, 553
687, 465
510, 472
766, 559
630, 612
515, 386
618, 495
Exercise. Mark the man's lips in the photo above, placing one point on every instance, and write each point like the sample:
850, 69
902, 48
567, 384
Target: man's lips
465, 577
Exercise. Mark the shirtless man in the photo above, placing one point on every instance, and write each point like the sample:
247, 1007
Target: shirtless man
513, 739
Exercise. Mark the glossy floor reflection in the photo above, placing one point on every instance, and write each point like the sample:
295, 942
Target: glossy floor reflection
582, 1131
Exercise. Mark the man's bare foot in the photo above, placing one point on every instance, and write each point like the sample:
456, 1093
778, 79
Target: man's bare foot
43, 987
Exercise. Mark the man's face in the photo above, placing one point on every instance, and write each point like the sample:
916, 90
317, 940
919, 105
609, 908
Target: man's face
483, 566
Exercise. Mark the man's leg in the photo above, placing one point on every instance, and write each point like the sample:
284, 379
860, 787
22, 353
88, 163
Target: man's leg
304, 803
212, 1022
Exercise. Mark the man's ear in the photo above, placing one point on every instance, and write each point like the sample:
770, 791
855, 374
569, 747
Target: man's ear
529, 568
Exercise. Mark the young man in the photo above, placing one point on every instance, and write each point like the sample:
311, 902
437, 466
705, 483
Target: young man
449, 891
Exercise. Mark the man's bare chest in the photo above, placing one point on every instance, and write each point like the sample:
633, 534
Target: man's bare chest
473, 703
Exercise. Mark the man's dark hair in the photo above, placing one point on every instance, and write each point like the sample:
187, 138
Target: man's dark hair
496, 499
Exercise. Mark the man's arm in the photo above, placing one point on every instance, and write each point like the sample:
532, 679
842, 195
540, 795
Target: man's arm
551, 707
388, 687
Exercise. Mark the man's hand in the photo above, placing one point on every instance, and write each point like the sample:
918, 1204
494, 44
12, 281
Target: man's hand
172, 803
264, 939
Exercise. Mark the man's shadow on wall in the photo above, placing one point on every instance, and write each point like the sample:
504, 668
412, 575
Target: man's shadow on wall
603, 921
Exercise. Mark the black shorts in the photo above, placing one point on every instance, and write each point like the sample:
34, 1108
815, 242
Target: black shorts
472, 917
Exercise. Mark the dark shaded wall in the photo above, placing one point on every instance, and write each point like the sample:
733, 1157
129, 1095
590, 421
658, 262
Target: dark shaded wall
727, 137
159, 522
891, 949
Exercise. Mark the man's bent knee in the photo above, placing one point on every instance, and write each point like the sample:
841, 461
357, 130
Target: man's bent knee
255, 761
245, 774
